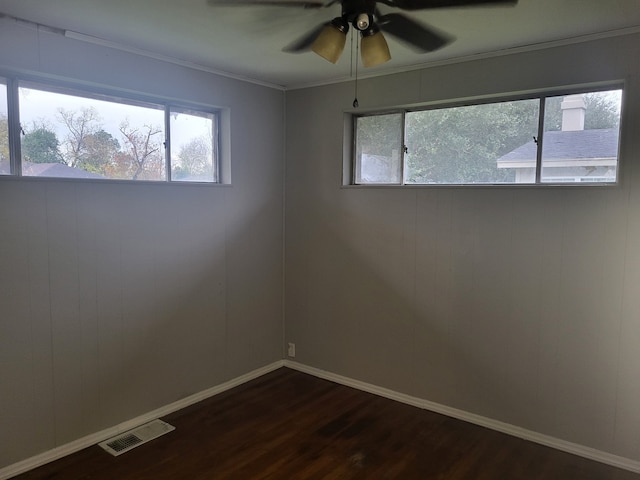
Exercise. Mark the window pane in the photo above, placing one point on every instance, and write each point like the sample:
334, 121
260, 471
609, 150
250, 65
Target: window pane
5, 167
193, 138
378, 144
78, 137
580, 142
470, 144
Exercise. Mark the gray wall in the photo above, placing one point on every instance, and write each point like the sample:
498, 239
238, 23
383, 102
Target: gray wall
517, 304
115, 298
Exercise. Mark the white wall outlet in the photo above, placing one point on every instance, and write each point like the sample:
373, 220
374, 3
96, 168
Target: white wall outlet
291, 350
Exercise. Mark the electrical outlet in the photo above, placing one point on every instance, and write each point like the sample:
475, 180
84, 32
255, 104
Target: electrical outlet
291, 351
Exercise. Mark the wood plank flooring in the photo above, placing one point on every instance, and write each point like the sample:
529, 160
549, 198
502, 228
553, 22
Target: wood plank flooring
289, 425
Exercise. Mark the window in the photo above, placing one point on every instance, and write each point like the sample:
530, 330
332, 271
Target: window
193, 145
502, 142
78, 134
581, 136
379, 141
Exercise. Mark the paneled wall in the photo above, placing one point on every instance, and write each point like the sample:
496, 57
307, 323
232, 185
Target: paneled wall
518, 304
116, 298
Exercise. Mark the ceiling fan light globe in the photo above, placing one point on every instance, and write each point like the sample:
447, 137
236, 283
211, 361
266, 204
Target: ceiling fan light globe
375, 50
330, 43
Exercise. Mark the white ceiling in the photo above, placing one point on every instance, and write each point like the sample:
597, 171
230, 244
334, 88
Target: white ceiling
247, 41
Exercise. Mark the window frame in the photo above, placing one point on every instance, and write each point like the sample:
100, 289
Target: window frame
352, 117
166, 106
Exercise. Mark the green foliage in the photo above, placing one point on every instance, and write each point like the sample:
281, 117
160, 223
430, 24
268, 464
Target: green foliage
461, 145
603, 111
4, 138
41, 145
98, 151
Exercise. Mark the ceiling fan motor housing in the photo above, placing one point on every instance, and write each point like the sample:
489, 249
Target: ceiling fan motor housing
359, 13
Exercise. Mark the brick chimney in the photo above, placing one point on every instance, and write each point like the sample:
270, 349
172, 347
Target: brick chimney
573, 110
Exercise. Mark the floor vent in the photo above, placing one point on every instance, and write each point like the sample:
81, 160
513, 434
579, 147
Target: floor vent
131, 439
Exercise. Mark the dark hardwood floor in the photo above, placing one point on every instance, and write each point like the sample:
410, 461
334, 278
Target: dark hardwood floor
288, 425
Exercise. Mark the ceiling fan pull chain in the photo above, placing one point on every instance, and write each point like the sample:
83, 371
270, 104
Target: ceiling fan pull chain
351, 53
355, 100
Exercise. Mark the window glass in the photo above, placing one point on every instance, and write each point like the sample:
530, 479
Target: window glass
193, 140
494, 143
378, 149
467, 145
5, 168
581, 135
79, 137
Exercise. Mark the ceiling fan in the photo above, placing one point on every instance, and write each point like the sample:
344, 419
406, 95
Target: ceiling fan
328, 39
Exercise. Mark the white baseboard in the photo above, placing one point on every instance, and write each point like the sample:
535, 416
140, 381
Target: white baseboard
523, 433
89, 440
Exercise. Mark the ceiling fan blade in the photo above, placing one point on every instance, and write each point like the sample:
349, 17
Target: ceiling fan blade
304, 43
426, 4
274, 3
417, 35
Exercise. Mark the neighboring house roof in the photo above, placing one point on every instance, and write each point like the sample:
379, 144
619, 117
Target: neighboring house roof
55, 170
573, 145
